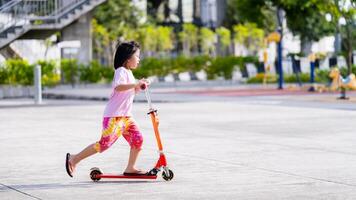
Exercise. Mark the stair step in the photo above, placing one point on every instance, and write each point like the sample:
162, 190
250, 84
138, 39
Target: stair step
3, 35
10, 30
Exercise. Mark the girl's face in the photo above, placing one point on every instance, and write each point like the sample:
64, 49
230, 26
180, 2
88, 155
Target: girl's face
134, 60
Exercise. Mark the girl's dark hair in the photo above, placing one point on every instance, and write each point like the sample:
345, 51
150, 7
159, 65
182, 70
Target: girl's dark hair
124, 51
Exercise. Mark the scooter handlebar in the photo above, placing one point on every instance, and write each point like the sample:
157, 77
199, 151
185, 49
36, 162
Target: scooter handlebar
143, 86
148, 97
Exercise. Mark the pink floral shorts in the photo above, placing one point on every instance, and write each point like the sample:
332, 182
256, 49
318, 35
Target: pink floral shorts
114, 127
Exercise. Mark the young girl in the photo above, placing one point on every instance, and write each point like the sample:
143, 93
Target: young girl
117, 119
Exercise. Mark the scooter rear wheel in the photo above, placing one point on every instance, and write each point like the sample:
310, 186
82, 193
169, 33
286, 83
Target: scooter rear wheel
166, 176
94, 174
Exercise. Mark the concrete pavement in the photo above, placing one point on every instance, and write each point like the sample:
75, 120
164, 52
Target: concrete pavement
264, 147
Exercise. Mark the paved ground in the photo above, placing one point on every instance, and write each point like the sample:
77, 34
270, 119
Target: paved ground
242, 147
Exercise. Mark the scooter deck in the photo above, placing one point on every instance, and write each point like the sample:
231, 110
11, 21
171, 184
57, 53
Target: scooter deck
113, 176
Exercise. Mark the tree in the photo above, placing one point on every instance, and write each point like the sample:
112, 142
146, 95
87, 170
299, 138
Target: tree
344, 11
304, 17
249, 36
101, 40
259, 12
117, 13
224, 36
207, 41
111, 22
189, 38
165, 38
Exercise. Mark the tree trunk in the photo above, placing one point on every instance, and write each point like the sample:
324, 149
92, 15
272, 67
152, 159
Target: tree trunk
348, 49
305, 46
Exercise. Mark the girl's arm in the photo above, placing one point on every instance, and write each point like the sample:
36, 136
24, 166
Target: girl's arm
125, 87
136, 86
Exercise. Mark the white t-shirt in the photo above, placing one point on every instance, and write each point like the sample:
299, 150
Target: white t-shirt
120, 103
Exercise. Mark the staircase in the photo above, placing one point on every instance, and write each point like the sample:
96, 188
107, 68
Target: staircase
38, 19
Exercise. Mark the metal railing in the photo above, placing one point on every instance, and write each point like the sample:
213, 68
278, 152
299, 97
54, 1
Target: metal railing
18, 13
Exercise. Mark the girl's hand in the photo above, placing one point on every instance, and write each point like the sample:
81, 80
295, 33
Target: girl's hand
142, 85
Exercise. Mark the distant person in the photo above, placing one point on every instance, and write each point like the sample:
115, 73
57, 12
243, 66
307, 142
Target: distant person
117, 119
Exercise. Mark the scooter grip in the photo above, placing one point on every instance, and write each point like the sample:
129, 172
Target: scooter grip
143, 86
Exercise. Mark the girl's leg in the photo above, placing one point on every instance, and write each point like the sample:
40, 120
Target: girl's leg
110, 133
76, 158
132, 160
134, 138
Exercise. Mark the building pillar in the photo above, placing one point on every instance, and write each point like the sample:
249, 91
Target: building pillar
80, 30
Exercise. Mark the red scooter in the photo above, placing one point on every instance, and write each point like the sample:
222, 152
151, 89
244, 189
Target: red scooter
96, 174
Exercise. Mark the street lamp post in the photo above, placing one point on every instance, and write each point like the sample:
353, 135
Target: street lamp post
312, 71
279, 48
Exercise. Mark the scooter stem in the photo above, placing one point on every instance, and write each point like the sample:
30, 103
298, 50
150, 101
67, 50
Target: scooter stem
155, 121
148, 97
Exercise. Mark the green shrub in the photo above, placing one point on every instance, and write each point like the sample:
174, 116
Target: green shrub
224, 66
344, 70
271, 78
69, 70
107, 74
180, 64
199, 62
292, 78
3, 75
90, 73
322, 76
18, 72
50, 73
153, 66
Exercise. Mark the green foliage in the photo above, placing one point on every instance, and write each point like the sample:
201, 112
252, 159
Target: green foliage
322, 76
199, 63
189, 38
101, 36
344, 71
224, 66
147, 38
3, 75
155, 38
18, 72
292, 78
91, 73
50, 73
306, 18
271, 78
164, 38
115, 14
214, 67
207, 41
181, 64
152, 66
107, 74
254, 11
114, 19
225, 36
250, 36
69, 70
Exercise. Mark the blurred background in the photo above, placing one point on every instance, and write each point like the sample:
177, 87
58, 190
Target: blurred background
240, 41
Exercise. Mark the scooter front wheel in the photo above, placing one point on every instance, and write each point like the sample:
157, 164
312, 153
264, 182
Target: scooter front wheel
94, 174
167, 176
